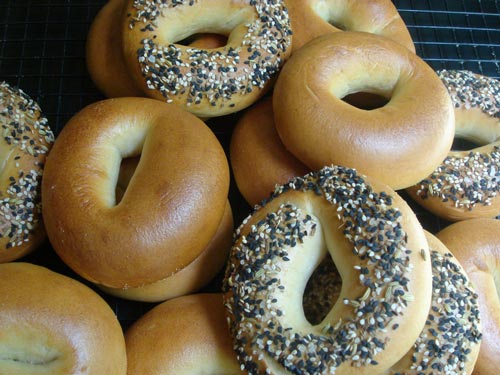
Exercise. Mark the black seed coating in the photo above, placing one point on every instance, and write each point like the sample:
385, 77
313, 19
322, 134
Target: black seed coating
215, 75
455, 311
25, 130
473, 179
257, 259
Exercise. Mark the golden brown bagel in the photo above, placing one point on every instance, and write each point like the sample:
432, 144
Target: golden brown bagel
399, 143
313, 18
53, 325
171, 209
259, 160
379, 249
26, 140
104, 54
467, 183
450, 341
476, 245
206, 82
184, 336
191, 278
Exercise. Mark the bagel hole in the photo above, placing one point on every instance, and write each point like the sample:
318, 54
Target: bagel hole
496, 277
463, 144
204, 40
366, 100
127, 170
322, 291
337, 24
329, 15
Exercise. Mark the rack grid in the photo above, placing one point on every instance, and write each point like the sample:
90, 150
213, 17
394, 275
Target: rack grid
42, 51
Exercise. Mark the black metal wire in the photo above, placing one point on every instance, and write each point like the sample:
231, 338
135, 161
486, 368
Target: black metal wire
455, 34
42, 51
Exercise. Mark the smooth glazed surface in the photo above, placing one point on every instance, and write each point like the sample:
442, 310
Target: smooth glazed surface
313, 18
184, 336
259, 160
51, 324
166, 217
399, 143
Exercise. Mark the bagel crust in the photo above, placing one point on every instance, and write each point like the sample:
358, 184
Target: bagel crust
377, 245
313, 18
206, 82
51, 324
476, 245
186, 335
399, 143
25, 143
467, 183
259, 160
191, 278
104, 53
166, 217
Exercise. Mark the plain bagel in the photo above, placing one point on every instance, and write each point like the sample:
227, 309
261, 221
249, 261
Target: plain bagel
51, 324
313, 18
166, 217
399, 143
183, 336
259, 160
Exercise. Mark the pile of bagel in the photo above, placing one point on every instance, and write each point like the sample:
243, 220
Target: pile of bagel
338, 136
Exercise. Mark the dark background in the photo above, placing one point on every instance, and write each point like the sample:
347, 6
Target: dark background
42, 51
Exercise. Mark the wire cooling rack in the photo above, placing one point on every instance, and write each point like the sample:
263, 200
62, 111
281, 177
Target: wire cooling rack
42, 51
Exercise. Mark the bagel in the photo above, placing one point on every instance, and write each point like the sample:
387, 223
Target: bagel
206, 82
476, 245
52, 324
322, 291
376, 243
170, 211
186, 335
467, 183
450, 341
386, 143
191, 278
311, 18
196, 274
104, 52
259, 160
26, 141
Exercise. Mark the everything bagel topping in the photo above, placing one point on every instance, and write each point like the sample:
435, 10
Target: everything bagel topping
23, 128
213, 75
253, 283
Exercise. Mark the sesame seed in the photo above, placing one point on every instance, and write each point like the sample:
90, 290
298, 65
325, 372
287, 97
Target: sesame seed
25, 130
473, 179
199, 75
382, 266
